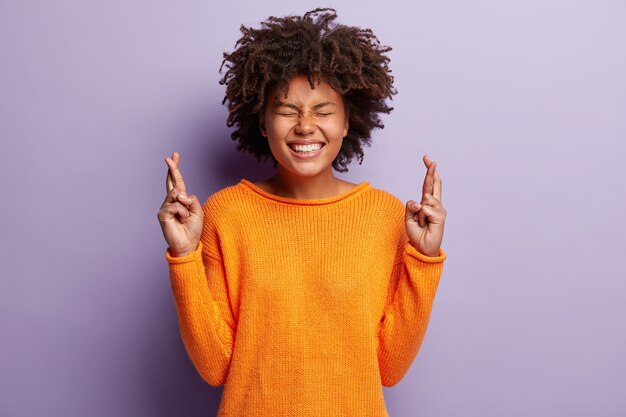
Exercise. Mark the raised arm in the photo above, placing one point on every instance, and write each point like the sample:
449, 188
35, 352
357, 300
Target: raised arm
197, 278
414, 281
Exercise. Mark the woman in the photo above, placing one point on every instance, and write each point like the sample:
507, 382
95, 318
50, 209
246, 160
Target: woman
304, 294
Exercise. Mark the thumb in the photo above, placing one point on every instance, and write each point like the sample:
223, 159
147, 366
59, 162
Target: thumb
411, 210
192, 203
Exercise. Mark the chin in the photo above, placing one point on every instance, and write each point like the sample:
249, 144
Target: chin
301, 170
307, 173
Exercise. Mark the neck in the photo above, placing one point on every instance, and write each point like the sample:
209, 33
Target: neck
322, 185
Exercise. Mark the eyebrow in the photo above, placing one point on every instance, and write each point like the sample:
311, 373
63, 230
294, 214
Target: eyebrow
293, 106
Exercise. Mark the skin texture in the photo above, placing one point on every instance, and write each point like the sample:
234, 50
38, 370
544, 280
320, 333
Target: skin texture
305, 114
180, 215
298, 118
425, 221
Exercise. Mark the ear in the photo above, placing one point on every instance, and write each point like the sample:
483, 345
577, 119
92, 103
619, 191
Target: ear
262, 124
346, 124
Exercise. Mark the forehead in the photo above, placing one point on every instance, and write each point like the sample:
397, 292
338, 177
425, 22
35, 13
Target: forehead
300, 92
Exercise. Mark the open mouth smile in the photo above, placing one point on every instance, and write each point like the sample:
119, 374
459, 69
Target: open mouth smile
306, 151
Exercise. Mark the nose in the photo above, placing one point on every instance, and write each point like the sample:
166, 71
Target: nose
305, 125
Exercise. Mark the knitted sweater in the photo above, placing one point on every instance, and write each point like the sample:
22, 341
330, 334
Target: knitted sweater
303, 307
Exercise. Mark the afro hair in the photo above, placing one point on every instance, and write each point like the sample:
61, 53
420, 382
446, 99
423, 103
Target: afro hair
350, 59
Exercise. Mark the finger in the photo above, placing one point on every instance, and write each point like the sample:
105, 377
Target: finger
437, 187
429, 179
412, 210
175, 173
419, 217
172, 210
176, 195
434, 215
422, 215
169, 184
427, 187
194, 205
422, 218
430, 200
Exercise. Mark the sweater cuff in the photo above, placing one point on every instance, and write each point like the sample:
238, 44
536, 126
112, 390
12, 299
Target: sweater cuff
410, 250
184, 259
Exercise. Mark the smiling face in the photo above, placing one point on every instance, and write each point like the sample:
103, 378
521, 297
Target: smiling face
305, 130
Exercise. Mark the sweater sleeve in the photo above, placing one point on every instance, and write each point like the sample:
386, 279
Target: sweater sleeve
206, 322
413, 284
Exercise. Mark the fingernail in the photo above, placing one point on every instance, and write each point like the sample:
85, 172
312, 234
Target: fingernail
183, 195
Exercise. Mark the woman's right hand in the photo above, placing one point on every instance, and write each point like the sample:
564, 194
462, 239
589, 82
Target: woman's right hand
181, 215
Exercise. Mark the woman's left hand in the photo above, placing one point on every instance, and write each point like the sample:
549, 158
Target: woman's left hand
424, 221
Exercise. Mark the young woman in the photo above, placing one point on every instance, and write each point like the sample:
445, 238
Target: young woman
304, 294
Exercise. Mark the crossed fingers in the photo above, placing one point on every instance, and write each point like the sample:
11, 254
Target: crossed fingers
174, 178
431, 189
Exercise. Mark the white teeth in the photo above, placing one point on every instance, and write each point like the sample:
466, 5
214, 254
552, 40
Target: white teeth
306, 148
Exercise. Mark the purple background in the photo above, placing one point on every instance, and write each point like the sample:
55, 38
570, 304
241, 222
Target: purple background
522, 104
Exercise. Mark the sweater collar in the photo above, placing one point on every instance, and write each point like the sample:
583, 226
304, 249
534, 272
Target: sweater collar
302, 202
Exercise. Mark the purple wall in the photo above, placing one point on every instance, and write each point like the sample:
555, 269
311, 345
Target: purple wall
522, 104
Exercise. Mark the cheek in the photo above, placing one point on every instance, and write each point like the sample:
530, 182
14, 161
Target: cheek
279, 128
334, 131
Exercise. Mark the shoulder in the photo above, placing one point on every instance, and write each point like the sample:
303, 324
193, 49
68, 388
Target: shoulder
383, 206
386, 214
385, 199
225, 198
221, 210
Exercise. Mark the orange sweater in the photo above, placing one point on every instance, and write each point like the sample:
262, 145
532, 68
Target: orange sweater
303, 307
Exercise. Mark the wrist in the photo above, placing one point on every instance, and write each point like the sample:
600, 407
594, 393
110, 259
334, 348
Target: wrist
425, 253
179, 254
183, 252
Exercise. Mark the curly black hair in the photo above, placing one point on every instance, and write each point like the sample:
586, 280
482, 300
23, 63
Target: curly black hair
350, 59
